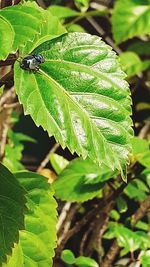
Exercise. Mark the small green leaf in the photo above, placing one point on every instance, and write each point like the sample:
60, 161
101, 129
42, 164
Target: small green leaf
142, 226
79, 179
38, 240
58, 162
115, 215
67, 256
132, 64
130, 18
85, 261
126, 238
141, 151
81, 98
62, 12
75, 28
82, 5
122, 205
7, 37
12, 208
145, 258
133, 192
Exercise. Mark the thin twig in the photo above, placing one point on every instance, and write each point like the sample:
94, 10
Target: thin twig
12, 105
145, 130
46, 159
67, 222
63, 215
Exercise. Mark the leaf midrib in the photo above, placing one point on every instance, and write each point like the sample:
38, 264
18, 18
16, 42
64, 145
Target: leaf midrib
82, 110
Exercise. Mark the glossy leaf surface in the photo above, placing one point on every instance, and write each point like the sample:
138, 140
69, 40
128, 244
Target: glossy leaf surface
81, 98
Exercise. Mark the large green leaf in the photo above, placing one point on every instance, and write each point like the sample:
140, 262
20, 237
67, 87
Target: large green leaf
81, 98
130, 18
7, 37
83, 180
38, 240
12, 207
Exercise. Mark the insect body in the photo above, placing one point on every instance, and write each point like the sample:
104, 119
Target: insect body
32, 62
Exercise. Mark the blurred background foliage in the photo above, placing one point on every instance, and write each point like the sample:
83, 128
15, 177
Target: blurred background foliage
105, 225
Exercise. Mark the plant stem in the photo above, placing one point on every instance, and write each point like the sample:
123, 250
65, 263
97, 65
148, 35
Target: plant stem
88, 14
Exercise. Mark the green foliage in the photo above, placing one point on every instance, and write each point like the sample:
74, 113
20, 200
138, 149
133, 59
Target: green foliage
132, 64
140, 47
122, 205
127, 239
49, 29
137, 190
89, 120
30, 23
130, 18
12, 208
83, 180
58, 162
144, 258
83, 5
39, 24
14, 149
68, 257
75, 28
141, 151
62, 12
38, 240
7, 39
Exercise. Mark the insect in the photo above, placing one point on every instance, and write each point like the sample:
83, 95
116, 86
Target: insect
32, 62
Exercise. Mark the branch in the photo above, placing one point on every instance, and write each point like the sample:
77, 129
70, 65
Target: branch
111, 255
76, 228
5, 114
141, 211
